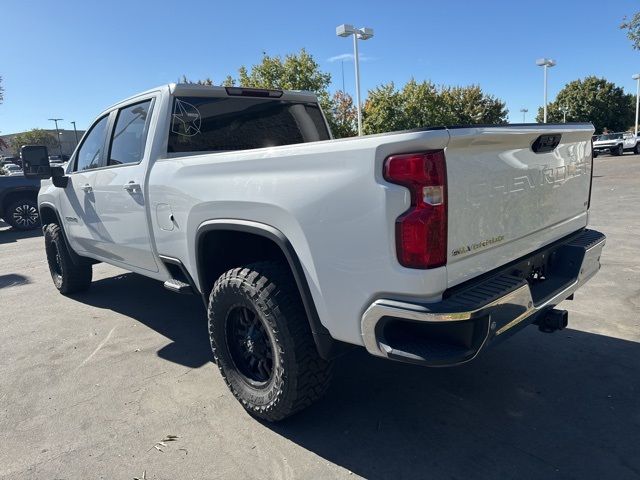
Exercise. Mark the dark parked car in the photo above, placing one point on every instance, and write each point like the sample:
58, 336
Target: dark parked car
18, 201
14, 160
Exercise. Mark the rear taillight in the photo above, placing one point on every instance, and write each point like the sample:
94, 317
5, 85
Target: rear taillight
421, 232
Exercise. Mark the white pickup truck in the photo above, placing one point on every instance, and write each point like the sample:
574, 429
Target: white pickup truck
422, 246
616, 144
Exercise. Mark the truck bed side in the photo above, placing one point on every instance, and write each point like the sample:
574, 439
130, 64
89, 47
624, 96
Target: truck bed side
331, 202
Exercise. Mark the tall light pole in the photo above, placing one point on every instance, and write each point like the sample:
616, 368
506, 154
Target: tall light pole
545, 63
636, 77
75, 132
363, 33
56, 120
524, 114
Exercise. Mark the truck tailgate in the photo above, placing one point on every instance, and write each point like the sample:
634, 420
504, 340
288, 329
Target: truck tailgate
511, 190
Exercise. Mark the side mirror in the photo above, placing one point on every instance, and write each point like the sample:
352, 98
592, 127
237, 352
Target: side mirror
35, 164
58, 177
35, 161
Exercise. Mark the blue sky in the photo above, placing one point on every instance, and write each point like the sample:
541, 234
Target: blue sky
71, 59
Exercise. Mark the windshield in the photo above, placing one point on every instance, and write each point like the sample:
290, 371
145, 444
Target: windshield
217, 124
610, 136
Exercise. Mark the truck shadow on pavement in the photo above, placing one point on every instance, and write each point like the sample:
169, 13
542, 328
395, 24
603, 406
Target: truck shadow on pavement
537, 406
11, 235
181, 318
13, 280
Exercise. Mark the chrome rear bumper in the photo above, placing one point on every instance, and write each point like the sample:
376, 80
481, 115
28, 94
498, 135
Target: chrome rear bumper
456, 329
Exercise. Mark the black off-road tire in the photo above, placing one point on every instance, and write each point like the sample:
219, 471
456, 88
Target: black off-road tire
299, 376
67, 276
636, 149
22, 214
619, 151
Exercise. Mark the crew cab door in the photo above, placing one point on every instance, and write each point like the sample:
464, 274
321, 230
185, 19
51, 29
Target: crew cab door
77, 200
119, 189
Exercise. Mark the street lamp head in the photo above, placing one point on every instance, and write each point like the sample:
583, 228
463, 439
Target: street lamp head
548, 62
345, 30
365, 33
636, 76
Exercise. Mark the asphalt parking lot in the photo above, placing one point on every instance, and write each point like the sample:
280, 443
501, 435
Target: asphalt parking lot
90, 384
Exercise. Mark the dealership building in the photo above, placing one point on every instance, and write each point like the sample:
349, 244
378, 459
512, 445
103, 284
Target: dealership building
67, 142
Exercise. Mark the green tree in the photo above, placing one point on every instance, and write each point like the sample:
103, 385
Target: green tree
384, 110
421, 104
342, 116
229, 81
632, 26
296, 71
35, 136
207, 81
470, 105
417, 104
592, 100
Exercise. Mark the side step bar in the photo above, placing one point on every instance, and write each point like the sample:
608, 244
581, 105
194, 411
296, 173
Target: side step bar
181, 281
177, 286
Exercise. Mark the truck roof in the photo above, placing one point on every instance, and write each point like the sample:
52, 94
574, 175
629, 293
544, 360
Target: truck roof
184, 89
195, 90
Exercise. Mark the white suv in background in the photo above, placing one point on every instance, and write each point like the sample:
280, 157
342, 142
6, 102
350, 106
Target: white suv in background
616, 144
11, 169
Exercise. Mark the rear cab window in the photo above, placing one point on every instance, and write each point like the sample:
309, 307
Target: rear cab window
219, 124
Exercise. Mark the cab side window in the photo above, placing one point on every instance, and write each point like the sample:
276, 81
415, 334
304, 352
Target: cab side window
130, 134
90, 153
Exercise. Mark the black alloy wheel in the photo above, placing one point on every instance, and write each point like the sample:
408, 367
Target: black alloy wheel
68, 276
250, 346
23, 214
262, 341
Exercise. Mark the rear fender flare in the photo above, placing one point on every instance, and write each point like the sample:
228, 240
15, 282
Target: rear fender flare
324, 342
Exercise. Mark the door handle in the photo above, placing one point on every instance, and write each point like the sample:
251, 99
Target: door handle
86, 188
132, 187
